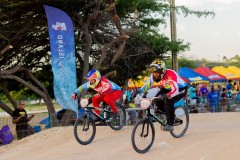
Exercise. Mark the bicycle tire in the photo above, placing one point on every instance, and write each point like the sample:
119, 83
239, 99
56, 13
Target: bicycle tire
117, 125
180, 128
137, 135
81, 132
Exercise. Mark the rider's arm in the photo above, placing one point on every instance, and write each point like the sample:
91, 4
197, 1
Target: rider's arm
84, 86
164, 90
174, 80
147, 85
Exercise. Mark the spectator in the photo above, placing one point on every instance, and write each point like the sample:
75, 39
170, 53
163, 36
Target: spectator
238, 97
235, 86
197, 90
192, 93
213, 100
128, 95
203, 91
238, 85
224, 100
132, 113
219, 91
21, 119
229, 85
194, 100
229, 88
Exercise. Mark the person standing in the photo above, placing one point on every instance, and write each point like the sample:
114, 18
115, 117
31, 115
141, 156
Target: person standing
21, 119
203, 91
213, 100
224, 100
229, 88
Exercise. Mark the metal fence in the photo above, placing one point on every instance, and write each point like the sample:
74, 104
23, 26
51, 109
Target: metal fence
217, 105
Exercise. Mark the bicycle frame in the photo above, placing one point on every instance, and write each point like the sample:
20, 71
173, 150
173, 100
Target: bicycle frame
89, 110
143, 133
158, 119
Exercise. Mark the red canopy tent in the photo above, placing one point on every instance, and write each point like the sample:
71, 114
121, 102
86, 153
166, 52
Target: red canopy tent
210, 74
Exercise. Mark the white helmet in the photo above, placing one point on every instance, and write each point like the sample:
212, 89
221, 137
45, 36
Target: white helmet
158, 66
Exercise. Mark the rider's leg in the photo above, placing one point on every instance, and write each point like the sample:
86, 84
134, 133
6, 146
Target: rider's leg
169, 105
180, 96
96, 101
160, 104
111, 98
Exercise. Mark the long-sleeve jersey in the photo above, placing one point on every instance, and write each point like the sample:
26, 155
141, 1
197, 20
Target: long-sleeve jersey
105, 86
170, 81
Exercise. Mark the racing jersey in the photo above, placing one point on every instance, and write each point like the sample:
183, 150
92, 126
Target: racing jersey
105, 86
170, 81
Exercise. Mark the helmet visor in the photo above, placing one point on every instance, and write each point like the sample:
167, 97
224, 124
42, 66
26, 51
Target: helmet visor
152, 69
91, 75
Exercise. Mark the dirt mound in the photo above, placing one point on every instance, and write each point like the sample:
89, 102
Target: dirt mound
211, 136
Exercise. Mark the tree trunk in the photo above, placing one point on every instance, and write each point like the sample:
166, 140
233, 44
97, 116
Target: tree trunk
7, 93
8, 74
6, 108
68, 118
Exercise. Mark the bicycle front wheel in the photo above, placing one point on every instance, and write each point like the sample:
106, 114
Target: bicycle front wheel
143, 135
121, 119
84, 130
181, 122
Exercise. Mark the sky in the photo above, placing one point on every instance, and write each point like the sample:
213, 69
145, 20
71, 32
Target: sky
210, 38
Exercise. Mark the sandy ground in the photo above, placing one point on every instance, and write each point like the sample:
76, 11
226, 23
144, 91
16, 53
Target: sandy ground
211, 136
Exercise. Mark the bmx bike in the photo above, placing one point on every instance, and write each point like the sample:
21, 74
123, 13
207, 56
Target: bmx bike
85, 126
143, 133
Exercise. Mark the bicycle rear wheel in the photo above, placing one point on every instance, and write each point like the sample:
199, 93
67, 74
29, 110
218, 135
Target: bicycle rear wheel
84, 130
143, 135
121, 119
181, 122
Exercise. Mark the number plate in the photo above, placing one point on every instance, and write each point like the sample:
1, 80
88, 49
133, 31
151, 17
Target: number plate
84, 102
145, 103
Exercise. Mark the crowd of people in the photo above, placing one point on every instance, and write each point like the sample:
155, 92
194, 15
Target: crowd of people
217, 97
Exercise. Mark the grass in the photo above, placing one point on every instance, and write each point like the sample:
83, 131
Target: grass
34, 107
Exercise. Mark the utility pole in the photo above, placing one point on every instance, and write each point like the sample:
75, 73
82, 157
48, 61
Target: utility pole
173, 33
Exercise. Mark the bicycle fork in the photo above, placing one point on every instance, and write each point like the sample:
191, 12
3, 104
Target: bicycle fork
144, 124
86, 123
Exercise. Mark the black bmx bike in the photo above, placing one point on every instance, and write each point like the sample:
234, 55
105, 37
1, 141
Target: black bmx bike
143, 133
85, 126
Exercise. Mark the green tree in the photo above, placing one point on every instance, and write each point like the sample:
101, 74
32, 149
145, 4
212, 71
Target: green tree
108, 35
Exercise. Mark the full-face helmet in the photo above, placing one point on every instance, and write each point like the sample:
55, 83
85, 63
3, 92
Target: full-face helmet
94, 74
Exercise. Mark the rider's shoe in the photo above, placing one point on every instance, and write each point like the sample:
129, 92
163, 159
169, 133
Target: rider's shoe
115, 116
168, 128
